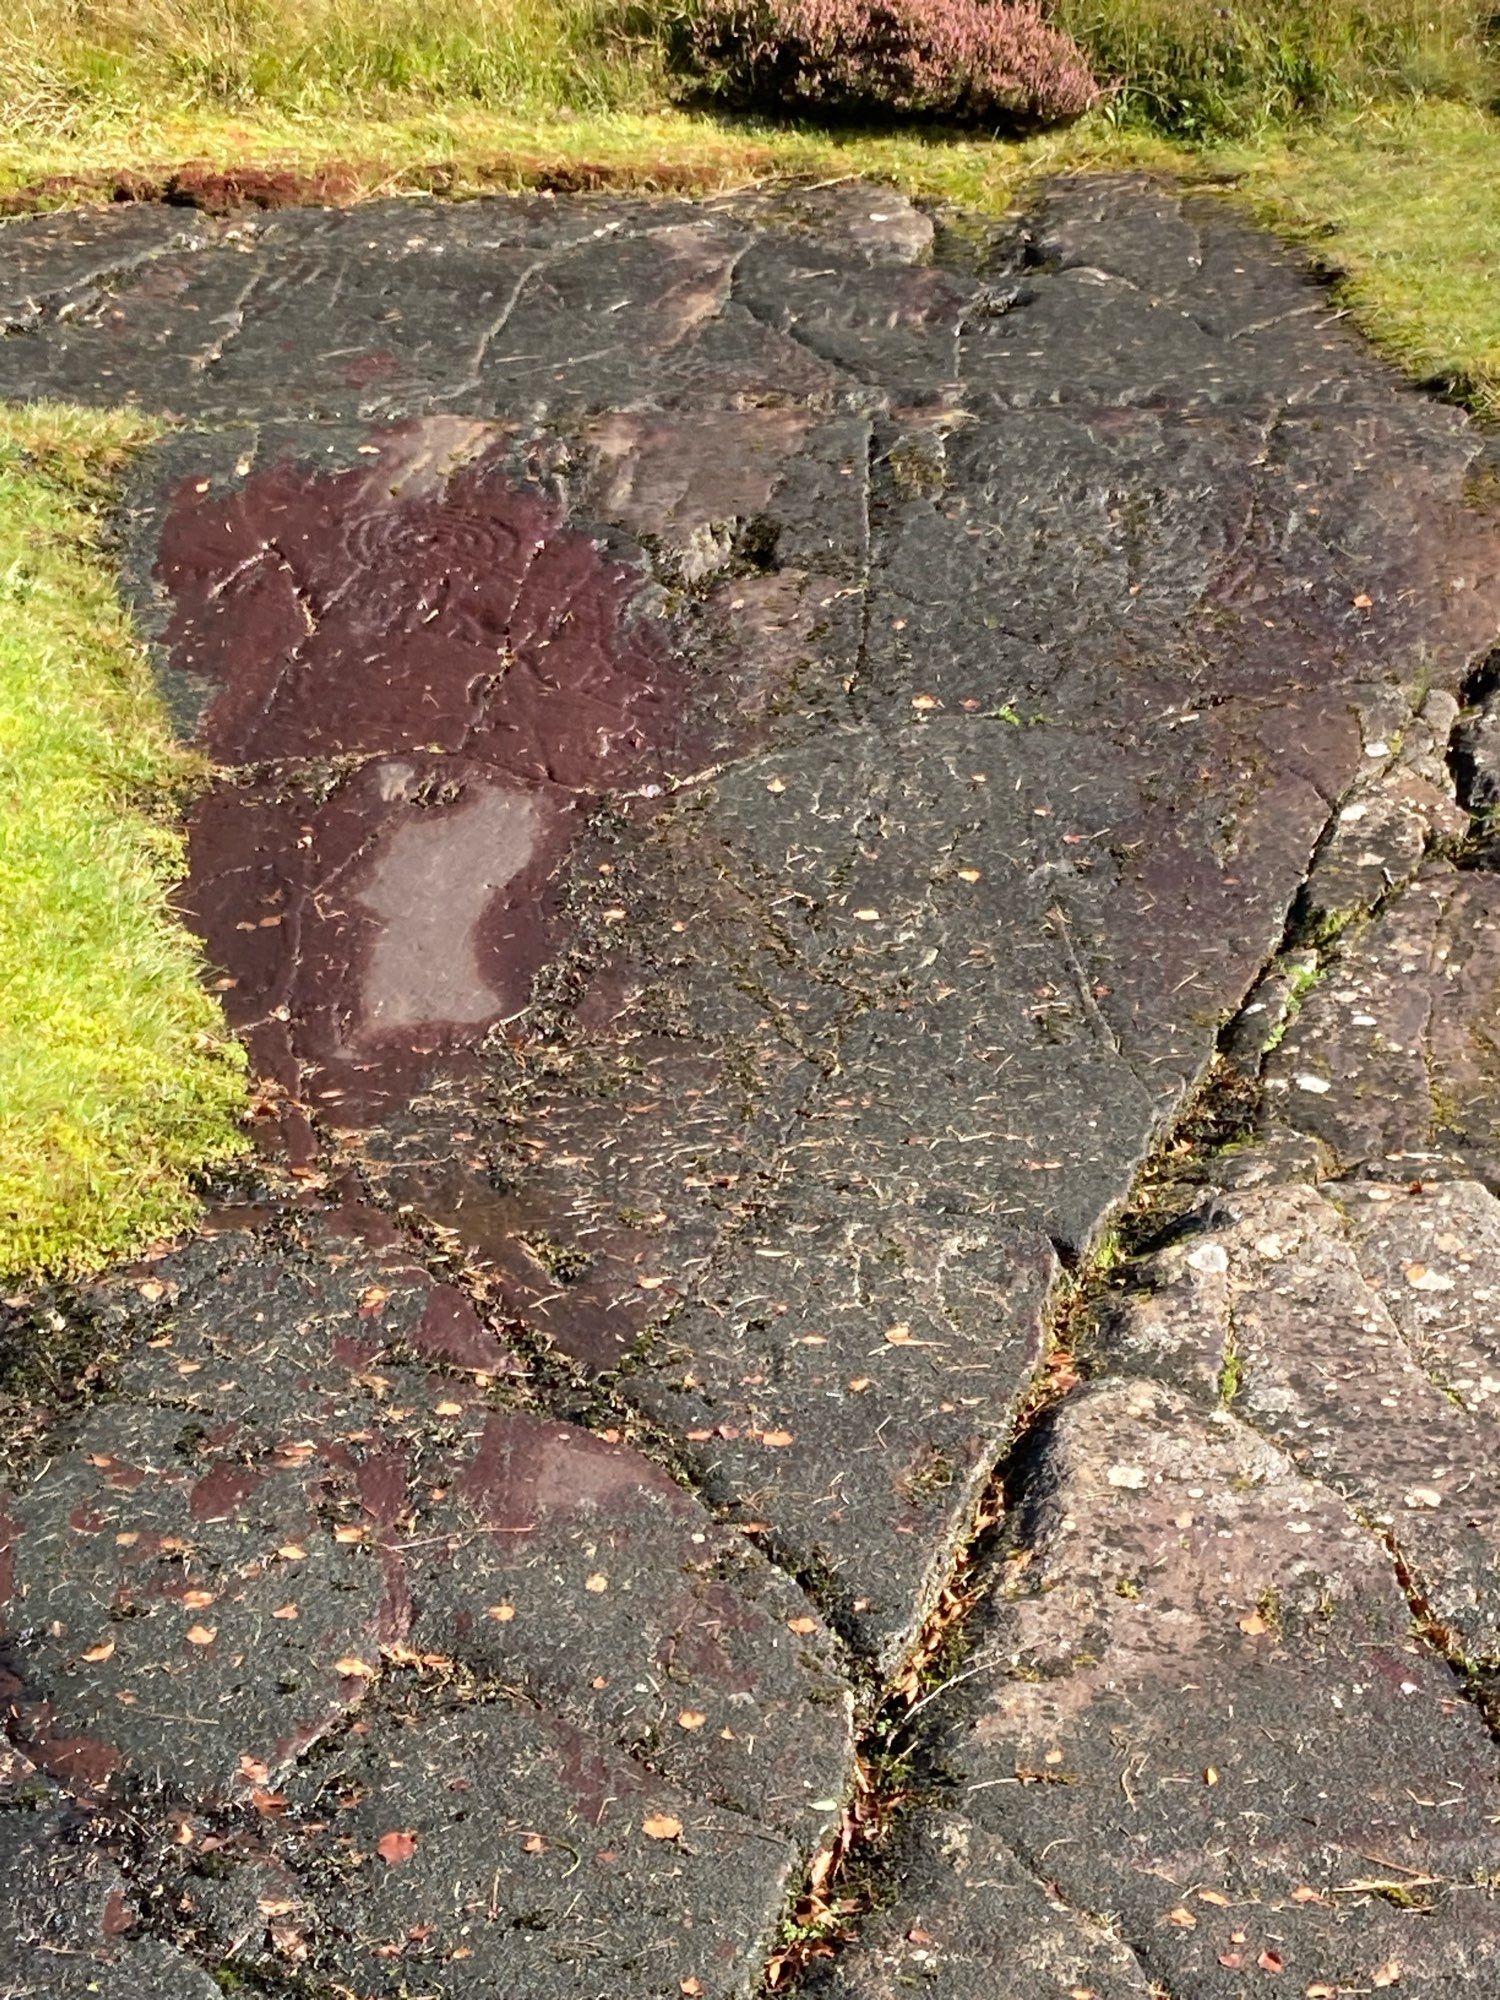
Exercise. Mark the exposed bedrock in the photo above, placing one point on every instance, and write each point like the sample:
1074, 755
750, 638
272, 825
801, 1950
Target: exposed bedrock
757, 746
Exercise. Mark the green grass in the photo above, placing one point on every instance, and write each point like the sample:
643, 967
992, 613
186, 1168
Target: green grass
1406, 206
1206, 72
116, 1080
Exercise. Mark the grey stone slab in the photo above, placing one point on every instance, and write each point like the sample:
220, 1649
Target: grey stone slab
70, 1927
1391, 1059
1267, 1307
760, 746
567, 1566
967, 1920
54, 264
1432, 1252
578, 1873
1199, 313
1195, 1703
1400, 806
847, 1378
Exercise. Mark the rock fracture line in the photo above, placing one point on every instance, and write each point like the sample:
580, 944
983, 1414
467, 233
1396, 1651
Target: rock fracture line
769, 756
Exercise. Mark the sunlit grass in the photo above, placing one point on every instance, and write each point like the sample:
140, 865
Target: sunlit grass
116, 1078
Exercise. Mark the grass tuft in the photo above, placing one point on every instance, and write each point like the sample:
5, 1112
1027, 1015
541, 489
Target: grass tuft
116, 1077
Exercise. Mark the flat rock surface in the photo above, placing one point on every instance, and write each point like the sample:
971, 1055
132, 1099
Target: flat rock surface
760, 749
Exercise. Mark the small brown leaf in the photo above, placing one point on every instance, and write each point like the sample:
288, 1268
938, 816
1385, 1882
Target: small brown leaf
1253, 1623
501, 1613
598, 1583
197, 1600
105, 1650
1271, 1961
802, 1625
202, 1635
693, 1987
356, 1668
396, 1847
691, 1718
661, 1826
1183, 1919
1389, 1974
777, 1439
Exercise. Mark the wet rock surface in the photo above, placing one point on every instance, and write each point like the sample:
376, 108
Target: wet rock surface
762, 751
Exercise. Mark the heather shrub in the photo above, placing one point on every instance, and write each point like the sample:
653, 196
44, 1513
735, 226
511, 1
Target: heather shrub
997, 61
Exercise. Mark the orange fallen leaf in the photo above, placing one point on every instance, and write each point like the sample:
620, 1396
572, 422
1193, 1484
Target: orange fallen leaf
691, 1718
661, 1826
197, 1600
803, 1624
202, 1635
105, 1650
501, 1613
1271, 1961
1389, 1974
285, 1611
357, 1668
776, 1439
1183, 1919
598, 1583
693, 1987
396, 1847
1253, 1623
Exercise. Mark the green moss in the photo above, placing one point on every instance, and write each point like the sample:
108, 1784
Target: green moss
117, 1079
1231, 1377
